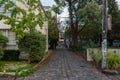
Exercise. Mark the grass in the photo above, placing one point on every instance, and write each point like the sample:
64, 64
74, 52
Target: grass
20, 68
24, 71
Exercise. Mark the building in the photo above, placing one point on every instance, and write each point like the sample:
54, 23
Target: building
5, 29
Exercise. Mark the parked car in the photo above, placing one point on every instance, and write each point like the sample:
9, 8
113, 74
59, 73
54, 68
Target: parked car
116, 43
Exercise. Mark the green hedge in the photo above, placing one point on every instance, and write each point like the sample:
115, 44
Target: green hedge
11, 55
34, 44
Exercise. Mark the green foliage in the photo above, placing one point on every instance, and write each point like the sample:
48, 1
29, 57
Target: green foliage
113, 60
90, 14
20, 68
68, 32
59, 6
10, 70
88, 43
24, 71
97, 57
34, 44
113, 7
53, 33
3, 40
22, 19
3, 44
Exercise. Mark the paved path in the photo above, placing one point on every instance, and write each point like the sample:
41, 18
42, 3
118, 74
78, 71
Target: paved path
114, 77
65, 65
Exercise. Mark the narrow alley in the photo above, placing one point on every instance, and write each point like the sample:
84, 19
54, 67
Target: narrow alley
65, 65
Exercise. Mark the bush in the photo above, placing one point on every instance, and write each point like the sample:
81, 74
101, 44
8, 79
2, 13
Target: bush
112, 60
11, 55
88, 43
34, 44
98, 58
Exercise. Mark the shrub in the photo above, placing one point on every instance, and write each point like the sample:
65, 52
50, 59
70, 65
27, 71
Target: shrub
12, 55
112, 60
88, 43
98, 58
24, 71
34, 44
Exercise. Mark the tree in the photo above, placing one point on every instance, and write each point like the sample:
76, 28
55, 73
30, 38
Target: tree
77, 8
73, 7
22, 19
53, 32
115, 13
90, 15
69, 3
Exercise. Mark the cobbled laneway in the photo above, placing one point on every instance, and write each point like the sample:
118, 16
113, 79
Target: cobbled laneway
66, 65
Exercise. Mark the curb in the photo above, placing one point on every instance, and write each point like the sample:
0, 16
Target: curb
110, 72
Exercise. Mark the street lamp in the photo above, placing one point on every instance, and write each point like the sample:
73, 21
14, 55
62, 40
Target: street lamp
104, 33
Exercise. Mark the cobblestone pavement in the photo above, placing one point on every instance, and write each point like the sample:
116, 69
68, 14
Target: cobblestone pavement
65, 65
114, 77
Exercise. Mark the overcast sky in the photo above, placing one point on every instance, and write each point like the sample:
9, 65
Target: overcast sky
47, 2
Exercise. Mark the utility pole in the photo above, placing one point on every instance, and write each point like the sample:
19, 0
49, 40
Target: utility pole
104, 33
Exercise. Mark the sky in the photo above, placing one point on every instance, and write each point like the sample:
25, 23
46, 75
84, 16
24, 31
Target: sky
47, 2
118, 1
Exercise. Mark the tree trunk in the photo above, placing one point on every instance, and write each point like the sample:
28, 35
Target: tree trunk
76, 33
72, 24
